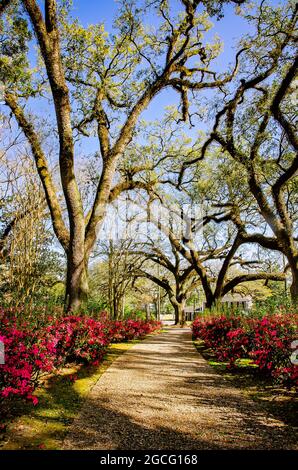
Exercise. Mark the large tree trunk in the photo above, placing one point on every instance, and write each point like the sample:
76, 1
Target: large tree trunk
147, 307
294, 285
182, 316
210, 300
292, 258
176, 310
179, 313
77, 287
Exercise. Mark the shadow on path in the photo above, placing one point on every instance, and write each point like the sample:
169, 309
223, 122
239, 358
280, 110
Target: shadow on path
161, 394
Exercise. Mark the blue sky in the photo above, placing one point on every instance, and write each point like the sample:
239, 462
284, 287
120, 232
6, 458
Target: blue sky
230, 29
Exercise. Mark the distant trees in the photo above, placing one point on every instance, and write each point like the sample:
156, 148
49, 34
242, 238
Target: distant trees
214, 255
114, 275
29, 264
166, 268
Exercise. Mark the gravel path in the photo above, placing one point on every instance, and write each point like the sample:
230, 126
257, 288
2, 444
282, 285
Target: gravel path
161, 394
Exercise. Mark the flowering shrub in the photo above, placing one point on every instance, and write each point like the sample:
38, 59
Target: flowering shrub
131, 329
266, 341
271, 347
214, 331
224, 336
235, 347
77, 339
26, 357
31, 350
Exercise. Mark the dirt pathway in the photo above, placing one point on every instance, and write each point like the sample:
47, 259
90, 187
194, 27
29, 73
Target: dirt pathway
161, 394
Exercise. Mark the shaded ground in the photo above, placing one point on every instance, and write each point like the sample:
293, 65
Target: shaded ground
277, 400
161, 394
24, 426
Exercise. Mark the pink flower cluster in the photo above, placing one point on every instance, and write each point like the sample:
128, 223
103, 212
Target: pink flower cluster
131, 329
266, 341
26, 357
32, 350
77, 339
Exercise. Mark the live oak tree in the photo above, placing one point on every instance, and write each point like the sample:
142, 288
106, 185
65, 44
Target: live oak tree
167, 269
222, 257
236, 258
229, 195
257, 128
99, 84
115, 281
212, 247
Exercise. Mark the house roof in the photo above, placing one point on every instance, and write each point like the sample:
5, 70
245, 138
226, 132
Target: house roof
236, 297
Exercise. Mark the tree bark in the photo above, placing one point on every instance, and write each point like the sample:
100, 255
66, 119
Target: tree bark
182, 314
179, 308
177, 313
77, 287
147, 312
294, 285
210, 299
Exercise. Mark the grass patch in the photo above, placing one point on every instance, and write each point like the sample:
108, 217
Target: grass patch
60, 400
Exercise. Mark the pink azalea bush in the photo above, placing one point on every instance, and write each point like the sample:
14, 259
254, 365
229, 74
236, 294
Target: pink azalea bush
266, 341
26, 358
271, 347
77, 339
34, 349
131, 329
